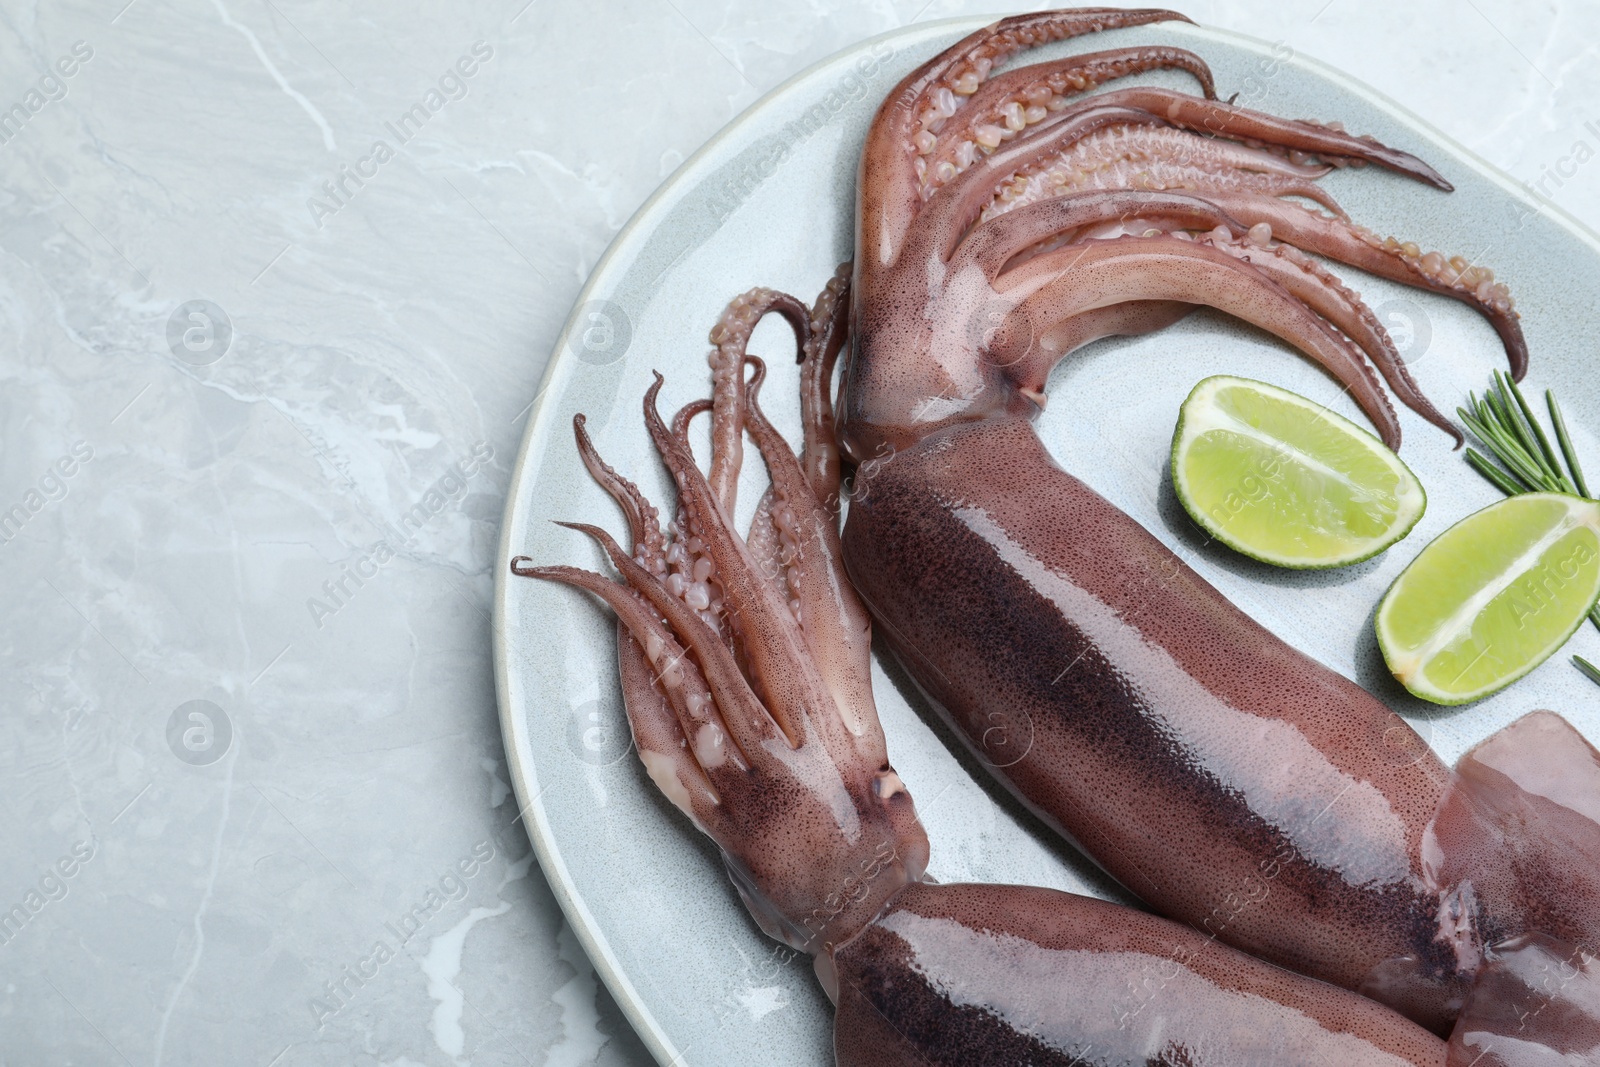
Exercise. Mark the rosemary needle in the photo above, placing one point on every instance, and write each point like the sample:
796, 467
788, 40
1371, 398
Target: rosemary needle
1566, 442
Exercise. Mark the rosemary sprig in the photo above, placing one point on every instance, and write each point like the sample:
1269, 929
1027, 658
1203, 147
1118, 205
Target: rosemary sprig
1506, 425
1504, 422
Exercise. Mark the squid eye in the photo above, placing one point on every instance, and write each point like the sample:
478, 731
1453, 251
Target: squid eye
886, 784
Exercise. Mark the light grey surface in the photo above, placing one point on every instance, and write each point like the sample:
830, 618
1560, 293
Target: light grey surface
376, 341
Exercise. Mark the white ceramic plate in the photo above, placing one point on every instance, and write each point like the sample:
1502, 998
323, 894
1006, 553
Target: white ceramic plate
770, 201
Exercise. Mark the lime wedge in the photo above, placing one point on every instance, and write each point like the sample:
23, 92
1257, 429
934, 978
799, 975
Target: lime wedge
1492, 597
1280, 478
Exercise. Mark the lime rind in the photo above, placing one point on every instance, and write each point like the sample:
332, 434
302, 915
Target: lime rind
1276, 477
1492, 597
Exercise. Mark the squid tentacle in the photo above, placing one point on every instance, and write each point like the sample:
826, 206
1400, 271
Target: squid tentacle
1325, 294
766, 547
967, 193
793, 505
644, 524
830, 317
1193, 143
1239, 123
646, 650
1210, 118
1267, 156
1081, 277
665, 695
993, 244
747, 720
1009, 103
1130, 318
1160, 159
685, 415
963, 68
730, 336
929, 94
763, 628
949, 213
1356, 246
820, 455
694, 570
833, 621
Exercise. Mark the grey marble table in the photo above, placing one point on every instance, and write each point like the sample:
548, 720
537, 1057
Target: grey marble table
278, 281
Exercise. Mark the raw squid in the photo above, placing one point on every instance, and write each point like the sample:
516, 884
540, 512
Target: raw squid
745, 673
1229, 780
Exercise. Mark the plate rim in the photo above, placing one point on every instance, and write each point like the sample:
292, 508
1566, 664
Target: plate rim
518, 748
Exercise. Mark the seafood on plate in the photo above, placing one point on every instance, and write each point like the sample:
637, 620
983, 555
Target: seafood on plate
1227, 779
746, 677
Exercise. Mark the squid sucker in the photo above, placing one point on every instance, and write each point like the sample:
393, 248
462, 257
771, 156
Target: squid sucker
1228, 780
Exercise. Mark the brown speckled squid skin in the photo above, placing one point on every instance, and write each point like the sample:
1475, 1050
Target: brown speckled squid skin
1001, 976
1229, 780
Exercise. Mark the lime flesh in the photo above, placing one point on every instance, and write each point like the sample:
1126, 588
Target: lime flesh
1492, 597
1280, 478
